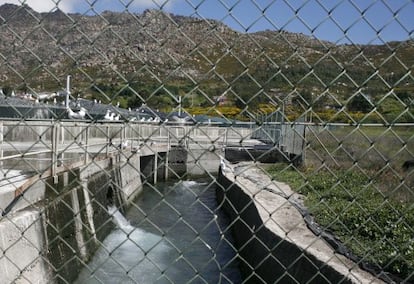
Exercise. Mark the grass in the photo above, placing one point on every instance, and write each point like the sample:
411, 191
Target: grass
376, 152
354, 187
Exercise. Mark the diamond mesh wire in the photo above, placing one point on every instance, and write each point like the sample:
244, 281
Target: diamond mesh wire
207, 141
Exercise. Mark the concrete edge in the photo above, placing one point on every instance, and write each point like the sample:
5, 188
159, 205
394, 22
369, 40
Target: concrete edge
278, 215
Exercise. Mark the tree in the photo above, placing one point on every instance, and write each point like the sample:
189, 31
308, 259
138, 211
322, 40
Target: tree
7, 90
303, 99
360, 102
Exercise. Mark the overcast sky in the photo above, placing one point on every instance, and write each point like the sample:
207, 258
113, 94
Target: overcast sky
350, 21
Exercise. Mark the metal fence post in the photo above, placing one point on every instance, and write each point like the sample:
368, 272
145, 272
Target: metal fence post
86, 145
167, 155
54, 137
108, 140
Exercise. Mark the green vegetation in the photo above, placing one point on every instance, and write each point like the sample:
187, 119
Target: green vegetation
372, 148
219, 111
355, 187
246, 94
348, 203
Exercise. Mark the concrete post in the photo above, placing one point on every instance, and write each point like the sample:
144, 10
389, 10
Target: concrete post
107, 141
166, 164
225, 137
62, 134
123, 135
78, 224
54, 156
1, 143
86, 145
89, 208
62, 141
156, 168
67, 91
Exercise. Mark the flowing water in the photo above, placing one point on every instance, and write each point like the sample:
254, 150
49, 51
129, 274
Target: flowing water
173, 233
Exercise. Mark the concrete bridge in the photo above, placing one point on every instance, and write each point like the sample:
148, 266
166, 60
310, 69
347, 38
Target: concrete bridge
36, 150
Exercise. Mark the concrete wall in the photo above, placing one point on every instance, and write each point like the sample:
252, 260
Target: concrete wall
177, 162
197, 160
54, 228
265, 257
22, 249
127, 169
273, 242
202, 161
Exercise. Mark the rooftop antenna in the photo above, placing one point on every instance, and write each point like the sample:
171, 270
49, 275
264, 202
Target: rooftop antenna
67, 91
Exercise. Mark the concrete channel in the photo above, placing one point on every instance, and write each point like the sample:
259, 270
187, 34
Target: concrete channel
59, 179
54, 199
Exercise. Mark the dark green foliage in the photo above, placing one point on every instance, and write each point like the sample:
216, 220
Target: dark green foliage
7, 90
360, 103
395, 110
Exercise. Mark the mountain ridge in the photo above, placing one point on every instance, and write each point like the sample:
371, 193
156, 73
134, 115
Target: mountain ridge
117, 52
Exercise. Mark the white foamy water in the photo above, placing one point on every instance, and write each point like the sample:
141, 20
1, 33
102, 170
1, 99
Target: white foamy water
191, 183
171, 234
119, 219
127, 255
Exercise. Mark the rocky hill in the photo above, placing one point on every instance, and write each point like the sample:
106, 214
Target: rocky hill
144, 55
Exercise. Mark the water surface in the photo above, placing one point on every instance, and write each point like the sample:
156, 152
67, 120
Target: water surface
173, 233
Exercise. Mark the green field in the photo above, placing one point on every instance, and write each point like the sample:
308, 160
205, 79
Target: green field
355, 187
375, 152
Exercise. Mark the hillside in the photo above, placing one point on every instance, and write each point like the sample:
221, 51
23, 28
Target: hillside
151, 56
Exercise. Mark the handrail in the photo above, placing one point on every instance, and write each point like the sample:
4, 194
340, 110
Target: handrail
21, 190
57, 134
23, 155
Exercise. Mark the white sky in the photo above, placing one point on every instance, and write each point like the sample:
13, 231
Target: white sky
70, 6
45, 6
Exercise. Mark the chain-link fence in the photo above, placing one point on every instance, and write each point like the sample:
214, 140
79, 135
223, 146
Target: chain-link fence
207, 141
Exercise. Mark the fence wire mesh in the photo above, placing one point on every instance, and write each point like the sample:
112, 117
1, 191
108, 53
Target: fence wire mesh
207, 141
